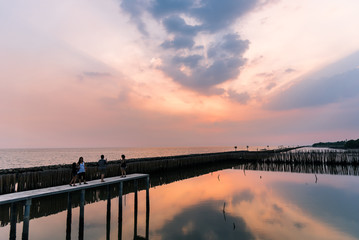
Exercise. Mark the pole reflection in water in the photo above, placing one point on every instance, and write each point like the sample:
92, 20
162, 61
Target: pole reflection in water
135, 210
120, 187
69, 216
147, 206
13, 219
82, 215
25, 231
108, 215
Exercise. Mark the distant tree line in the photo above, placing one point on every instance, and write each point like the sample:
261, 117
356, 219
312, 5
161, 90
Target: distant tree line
352, 144
339, 144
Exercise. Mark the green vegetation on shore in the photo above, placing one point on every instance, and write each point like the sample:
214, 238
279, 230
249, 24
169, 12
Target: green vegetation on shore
351, 144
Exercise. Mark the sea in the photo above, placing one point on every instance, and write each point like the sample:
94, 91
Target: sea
33, 157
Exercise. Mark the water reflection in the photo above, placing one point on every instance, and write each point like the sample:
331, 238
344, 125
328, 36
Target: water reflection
221, 204
205, 221
251, 207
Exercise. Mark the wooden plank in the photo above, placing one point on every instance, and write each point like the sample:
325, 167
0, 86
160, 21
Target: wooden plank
24, 195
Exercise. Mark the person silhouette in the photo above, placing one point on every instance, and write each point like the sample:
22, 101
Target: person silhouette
102, 167
123, 166
81, 171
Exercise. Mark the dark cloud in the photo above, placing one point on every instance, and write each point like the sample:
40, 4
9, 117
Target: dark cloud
179, 42
317, 92
218, 15
190, 61
230, 46
334, 83
176, 24
161, 8
225, 64
224, 56
213, 15
205, 222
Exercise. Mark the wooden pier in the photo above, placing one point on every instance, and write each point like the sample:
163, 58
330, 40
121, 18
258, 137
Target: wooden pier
27, 196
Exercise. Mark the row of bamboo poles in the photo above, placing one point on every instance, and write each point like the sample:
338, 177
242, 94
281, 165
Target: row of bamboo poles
327, 157
21, 179
15, 180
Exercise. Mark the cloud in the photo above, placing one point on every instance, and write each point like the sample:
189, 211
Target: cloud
218, 15
271, 85
344, 215
242, 98
136, 9
205, 222
225, 62
318, 92
96, 74
196, 64
179, 42
289, 70
214, 15
245, 195
176, 24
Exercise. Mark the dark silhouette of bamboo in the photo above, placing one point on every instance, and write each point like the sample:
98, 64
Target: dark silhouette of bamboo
21, 179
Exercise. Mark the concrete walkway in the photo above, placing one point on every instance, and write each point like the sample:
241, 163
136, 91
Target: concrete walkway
25, 195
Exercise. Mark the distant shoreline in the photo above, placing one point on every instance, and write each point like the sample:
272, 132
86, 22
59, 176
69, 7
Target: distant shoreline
346, 144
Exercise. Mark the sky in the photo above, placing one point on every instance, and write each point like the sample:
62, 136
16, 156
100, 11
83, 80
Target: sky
167, 73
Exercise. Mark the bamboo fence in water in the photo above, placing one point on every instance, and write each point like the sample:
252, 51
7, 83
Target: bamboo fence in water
21, 179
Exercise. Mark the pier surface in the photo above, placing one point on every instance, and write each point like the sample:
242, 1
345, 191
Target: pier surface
24, 195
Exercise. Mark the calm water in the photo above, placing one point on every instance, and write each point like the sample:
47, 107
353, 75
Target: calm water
17, 158
220, 204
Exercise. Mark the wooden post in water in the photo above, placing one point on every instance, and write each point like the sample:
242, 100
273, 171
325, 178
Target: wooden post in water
147, 206
135, 208
13, 218
25, 230
82, 215
120, 189
108, 214
69, 216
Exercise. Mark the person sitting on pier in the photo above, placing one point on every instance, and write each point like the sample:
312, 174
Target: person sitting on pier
73, 174
81, 171
123, 166
102, 167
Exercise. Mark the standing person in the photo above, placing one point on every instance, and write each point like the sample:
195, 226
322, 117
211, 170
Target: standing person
73, 174
123, 166
102, 167
81, 171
